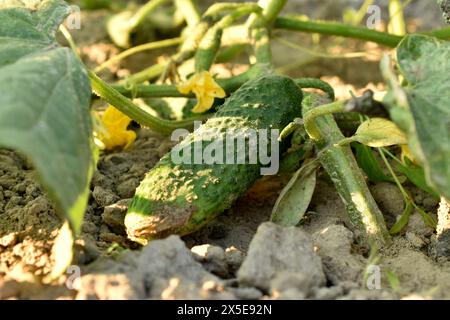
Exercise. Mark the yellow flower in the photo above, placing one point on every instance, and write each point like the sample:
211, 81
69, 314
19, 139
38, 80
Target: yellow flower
205, 89
116, 134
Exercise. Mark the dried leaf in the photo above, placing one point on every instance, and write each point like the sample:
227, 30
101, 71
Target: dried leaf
294, 199
379, 132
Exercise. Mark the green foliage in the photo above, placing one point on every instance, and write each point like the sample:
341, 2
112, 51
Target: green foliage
424, 62
44, 103
369, 164
379, 132
404, 219
416, 175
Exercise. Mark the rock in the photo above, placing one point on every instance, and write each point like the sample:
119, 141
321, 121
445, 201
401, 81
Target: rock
363, 294
14, 201
188, 290
170, 271
109, 287
164, 147
101, 180
104, 197
89, 227
88, 250
37, 206
429, 203
290, 294
114, 215
415, 240
389, 199
127, 188
212, 258
32, 190
234, 258
334, 246
108, 278
246, 293
20, 188
325, 293
418, 226
285, 281
9, 239
275, 249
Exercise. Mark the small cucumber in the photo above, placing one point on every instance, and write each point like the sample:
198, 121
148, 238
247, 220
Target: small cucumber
180, 198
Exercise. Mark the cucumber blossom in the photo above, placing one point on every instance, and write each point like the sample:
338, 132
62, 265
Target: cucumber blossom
180, 197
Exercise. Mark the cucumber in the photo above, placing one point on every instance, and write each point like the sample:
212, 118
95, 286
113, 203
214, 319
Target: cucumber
181, 198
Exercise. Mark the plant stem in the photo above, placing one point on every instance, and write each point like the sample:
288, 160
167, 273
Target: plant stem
69, 40
259, 24
221, 8
337, 29
439, 33
361, 13
426, 217
140, 48
309, 117
149, 73
396, 18
144, 11
211, 42
163, 90
272, 10
126, 106
263, 51
189, 11
314, 83
228, 53
345, 173
349, 31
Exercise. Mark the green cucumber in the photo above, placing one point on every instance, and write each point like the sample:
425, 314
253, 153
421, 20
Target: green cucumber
180, 198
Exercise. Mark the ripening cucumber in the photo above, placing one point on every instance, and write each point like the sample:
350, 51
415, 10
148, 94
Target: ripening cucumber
180, 197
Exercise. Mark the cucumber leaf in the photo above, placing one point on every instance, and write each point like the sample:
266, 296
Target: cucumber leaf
44, 103
424, 63
416, 175
369, 164
379, 132
295, 197
404, 219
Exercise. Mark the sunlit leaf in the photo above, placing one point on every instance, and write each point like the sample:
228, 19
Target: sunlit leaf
62, 252
379, 132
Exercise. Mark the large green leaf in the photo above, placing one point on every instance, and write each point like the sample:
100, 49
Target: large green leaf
424, 63
44, 103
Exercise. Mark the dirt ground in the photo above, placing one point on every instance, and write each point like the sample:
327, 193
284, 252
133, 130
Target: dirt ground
239, 255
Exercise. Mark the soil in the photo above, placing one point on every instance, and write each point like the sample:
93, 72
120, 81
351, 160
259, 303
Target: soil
216, 262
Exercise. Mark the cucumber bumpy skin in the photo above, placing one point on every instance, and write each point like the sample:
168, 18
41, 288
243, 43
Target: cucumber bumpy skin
180, 198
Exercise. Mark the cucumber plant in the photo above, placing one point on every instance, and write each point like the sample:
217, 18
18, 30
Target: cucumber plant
52, 125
